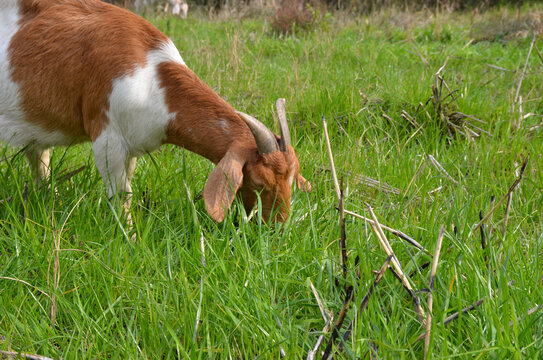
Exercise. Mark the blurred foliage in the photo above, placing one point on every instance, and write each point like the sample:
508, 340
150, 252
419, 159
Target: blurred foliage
359, 6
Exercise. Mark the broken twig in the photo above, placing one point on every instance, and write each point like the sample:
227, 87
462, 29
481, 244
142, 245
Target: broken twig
396, 265
366, 299
431, 293
511, 189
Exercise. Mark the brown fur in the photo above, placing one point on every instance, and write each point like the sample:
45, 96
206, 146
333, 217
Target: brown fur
72, 41
240, 168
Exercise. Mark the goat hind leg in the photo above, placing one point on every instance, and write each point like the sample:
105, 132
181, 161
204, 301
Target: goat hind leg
38, 160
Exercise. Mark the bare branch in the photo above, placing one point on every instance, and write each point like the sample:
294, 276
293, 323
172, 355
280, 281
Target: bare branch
331, 158
511, 189
366, 299
398, 233
431, 293
396, 265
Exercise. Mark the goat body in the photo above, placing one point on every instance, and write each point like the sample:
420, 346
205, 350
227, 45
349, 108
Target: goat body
84, 70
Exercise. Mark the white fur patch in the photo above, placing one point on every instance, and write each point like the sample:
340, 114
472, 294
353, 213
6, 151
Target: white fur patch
137, 109
138, 117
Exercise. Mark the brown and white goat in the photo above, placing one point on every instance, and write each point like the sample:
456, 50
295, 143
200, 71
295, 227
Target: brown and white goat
79, 70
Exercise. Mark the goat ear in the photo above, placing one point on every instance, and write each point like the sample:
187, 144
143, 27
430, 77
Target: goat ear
222, 185
303, 184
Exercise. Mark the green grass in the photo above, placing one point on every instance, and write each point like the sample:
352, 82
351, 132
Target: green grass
122, 299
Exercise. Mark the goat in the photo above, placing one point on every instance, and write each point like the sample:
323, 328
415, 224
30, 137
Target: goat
180, 8
84, 70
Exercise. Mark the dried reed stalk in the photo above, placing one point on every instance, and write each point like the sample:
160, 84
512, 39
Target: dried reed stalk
398, 233
339, 323
511, 189
433, 271
311, 354
528, 313
343, 238
327, 323
366, 299
482, 230
506, 216
396, 265
455, 316
338, 190
331, 158
441, 169
490, 226
524, 69
322, 308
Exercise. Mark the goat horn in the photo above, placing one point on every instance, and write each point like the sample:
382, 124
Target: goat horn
283, 125
265, 139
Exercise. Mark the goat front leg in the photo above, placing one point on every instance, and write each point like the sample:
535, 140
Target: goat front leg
38, 160
116, 167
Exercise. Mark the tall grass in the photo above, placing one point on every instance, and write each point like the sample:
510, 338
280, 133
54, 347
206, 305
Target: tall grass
121, 299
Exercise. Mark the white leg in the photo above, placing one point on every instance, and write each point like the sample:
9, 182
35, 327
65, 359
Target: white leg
117, 168
39, 163
111, 159
130, 166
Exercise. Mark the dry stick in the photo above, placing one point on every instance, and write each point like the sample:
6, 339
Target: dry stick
327, 323
331, 158
455, 316
435, 261
482, 228
396, 265
511, 189
16, 355
490, 226
311, 354
338, 191
343, 238
507, 210
417, 174
398, 233
348, 289
441, 169
366, 299
530, 312
324, 313
524, 69
538, 53
339, 323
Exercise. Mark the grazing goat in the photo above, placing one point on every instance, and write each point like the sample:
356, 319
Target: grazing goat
80, 70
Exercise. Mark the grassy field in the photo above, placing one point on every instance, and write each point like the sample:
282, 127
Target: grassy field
64, 249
